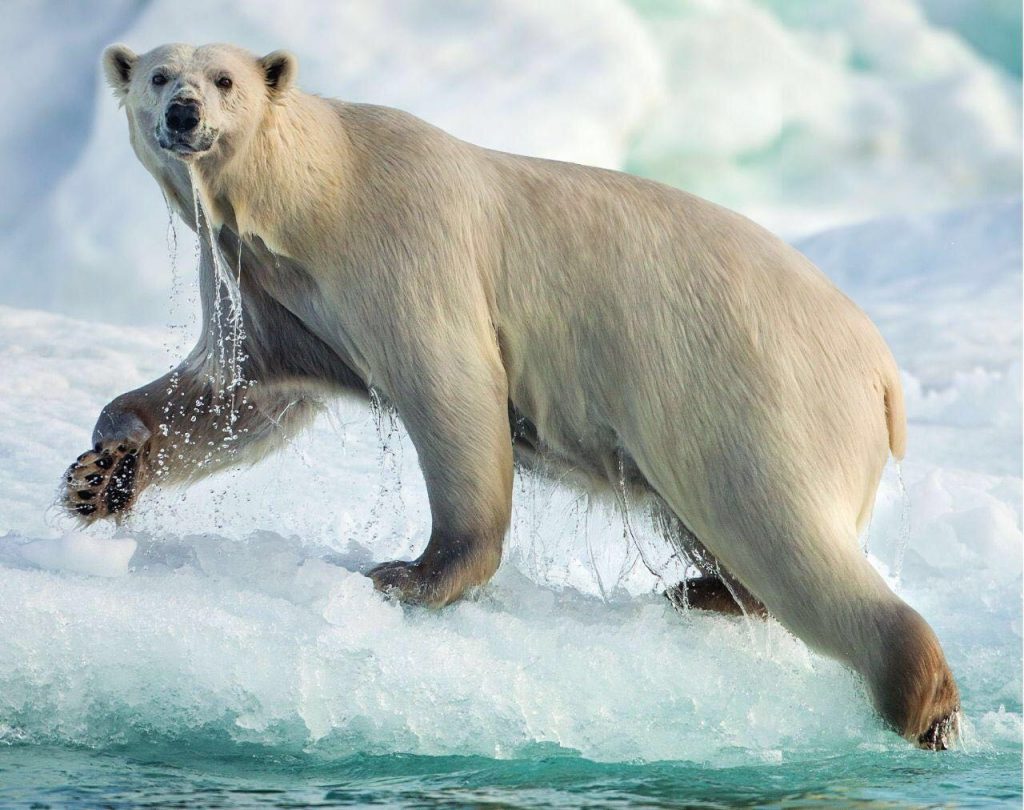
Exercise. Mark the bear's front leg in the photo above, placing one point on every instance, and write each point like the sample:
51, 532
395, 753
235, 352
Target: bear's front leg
457, 416
177, 429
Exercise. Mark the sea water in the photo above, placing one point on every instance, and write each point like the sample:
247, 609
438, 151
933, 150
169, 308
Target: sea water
153, 776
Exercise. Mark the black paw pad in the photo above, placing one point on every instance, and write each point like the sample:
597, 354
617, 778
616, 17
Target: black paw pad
122, 481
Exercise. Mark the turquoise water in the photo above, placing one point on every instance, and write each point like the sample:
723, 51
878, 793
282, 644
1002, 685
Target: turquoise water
210, 775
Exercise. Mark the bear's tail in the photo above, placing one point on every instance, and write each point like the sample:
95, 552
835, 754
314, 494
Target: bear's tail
896, 416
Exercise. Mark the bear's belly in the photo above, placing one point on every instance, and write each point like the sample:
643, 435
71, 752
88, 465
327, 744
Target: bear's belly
594, 463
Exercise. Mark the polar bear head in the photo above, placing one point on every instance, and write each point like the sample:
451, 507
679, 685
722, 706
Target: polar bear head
193, 103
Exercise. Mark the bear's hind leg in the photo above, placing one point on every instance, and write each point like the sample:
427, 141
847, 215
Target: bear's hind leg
790, 539
811, 574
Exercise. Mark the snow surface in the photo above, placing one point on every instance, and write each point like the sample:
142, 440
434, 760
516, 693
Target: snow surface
236, 608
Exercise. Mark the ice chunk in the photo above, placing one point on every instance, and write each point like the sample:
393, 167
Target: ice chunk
79, 553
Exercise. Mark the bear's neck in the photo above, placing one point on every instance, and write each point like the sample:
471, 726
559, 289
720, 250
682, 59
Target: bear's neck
287, 185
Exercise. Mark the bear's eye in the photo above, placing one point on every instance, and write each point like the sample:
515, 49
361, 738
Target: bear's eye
159, 79
224, 82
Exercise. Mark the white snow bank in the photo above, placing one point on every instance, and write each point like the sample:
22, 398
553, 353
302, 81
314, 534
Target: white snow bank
808, 113
242, 610
945, 290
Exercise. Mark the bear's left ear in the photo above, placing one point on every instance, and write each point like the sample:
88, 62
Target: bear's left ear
279, 69
118, 62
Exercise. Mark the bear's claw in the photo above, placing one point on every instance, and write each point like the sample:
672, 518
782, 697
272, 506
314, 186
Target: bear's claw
411, 583
942, 733
103, 481
397, 579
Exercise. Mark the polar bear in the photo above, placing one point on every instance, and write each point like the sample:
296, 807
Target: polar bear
517, 308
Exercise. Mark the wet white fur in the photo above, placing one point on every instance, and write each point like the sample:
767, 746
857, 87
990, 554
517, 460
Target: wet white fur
637, 327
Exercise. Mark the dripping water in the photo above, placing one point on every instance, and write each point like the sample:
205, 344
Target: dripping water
389, 461
904, 533
693, 560
171, 237
182, 319
589, 544
225, 359
630, 537
228, 328
544, 489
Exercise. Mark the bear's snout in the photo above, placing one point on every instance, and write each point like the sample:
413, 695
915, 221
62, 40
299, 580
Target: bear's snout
182, 116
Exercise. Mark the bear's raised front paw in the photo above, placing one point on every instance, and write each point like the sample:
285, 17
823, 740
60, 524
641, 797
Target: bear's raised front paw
408, 582
103, 481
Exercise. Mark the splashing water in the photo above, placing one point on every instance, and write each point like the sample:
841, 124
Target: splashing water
222, 359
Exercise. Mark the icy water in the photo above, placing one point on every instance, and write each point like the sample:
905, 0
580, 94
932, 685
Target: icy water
159, 776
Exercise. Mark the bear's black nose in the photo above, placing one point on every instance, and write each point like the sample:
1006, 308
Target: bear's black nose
182, 116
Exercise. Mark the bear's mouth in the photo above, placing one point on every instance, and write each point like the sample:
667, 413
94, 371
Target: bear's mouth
186, 148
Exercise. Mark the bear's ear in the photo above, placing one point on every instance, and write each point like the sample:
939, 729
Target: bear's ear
118, 63
279, 69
